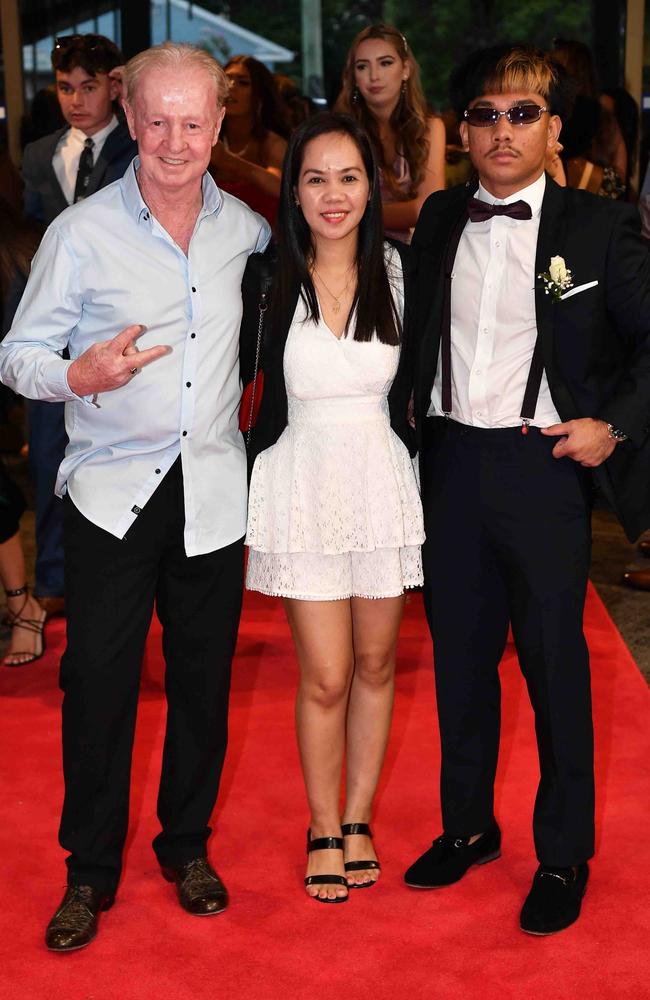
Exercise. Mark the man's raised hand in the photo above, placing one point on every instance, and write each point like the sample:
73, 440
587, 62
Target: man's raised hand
111, 363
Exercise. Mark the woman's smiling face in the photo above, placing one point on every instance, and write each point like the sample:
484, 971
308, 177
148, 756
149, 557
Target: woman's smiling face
333, 187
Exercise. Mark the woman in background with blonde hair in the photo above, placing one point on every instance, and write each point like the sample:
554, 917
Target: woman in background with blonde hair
382, 91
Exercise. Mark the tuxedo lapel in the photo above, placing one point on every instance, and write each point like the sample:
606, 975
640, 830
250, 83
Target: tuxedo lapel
440, 258
551, 241
114, 146
60, 201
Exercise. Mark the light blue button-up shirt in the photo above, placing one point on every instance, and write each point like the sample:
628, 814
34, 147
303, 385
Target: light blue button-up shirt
104, 264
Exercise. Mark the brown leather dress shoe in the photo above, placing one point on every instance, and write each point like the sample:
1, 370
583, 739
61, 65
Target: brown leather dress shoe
74, 924
200, 890
638, 579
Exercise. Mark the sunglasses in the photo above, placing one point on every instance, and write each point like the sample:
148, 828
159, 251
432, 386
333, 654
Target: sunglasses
520, 114
88, 42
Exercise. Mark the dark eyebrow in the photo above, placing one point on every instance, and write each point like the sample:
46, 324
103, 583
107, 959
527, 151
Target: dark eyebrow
343, 170
86, 79
387, 55
522, 102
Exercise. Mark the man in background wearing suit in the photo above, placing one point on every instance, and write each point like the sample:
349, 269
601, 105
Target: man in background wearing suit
93, 150
532, 384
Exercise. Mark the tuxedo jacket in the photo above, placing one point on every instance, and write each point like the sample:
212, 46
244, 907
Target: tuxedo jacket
43, 198
272, 417
596, 342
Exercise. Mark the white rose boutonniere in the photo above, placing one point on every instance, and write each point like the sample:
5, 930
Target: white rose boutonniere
558, 279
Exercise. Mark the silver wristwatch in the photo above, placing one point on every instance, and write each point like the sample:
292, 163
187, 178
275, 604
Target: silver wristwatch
615, 433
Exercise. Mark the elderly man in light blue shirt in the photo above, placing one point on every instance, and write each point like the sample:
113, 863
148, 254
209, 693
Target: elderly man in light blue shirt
141, 282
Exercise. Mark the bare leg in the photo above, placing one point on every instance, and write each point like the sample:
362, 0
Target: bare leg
322, 633
375, 626
24, 643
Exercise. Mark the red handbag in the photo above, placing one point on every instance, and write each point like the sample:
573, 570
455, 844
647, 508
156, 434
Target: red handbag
251, 400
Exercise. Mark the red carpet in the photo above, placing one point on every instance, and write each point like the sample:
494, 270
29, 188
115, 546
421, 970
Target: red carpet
275, 944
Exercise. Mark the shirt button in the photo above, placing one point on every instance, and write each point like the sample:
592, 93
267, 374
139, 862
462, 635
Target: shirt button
485, 329
157, 472
192, 336
479, 413
184, 434
478, 371
193, 288
497, 243
188, 384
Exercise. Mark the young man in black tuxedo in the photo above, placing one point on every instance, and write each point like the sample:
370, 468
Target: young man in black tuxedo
532, 385
93, 150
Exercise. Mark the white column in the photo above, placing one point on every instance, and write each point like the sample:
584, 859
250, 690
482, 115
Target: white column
312, 48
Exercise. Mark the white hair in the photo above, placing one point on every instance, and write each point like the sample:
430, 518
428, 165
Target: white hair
176, 57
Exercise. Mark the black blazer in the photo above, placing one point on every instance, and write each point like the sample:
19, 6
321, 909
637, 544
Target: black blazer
43, 198
596, 343
272, 418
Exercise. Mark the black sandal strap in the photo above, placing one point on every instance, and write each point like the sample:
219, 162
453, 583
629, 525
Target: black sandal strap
326, 880
29, 624
354, 829
324, 844
359, 866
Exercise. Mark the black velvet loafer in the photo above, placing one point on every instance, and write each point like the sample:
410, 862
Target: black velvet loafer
200, 890
554, 900
449, 857
74, 924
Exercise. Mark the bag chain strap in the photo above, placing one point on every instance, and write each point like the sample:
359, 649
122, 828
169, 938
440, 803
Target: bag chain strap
260, 326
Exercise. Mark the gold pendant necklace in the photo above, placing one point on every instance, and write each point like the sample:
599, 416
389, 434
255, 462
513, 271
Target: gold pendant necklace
336, 307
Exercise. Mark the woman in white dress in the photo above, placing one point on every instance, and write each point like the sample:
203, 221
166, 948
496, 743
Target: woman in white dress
335, 522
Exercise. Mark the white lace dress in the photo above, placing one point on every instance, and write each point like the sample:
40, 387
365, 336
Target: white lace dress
334, 509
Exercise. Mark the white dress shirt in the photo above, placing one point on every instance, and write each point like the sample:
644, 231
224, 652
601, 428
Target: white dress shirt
493, 324
104, 264
65, 161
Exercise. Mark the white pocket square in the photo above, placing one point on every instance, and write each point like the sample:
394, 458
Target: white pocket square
578, 289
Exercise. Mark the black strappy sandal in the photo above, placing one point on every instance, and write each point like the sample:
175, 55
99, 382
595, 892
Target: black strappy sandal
352, 830
14, 619
326, 844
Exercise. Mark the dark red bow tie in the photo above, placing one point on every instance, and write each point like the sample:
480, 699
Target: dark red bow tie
479, 211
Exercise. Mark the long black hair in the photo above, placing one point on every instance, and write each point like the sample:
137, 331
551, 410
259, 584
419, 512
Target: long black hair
266, 104
373, 304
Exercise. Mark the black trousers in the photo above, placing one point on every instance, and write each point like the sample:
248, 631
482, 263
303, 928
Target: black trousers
111, 586
508, 540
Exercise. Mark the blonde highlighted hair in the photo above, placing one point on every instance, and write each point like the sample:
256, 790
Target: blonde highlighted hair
508, 69
523, 70
408, 121
176, 57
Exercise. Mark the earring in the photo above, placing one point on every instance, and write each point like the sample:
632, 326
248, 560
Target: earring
403, 89
355, 95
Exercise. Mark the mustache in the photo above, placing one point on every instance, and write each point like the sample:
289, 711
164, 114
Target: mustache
500, 150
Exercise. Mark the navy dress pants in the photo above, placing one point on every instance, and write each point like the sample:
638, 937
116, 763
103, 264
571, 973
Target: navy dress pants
508, 541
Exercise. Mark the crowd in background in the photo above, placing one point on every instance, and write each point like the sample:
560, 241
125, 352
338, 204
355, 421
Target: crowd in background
418, 152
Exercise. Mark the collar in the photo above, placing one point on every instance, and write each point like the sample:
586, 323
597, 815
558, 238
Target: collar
138, 208
98, 138
533, 194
